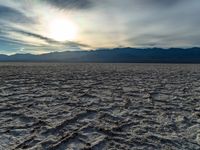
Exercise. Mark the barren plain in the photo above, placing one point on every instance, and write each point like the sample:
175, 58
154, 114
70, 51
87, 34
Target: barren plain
99, 106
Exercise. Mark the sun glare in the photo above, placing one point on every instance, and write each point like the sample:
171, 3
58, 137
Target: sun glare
62, 29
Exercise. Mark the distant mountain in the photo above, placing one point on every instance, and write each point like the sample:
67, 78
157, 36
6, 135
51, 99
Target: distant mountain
117, 55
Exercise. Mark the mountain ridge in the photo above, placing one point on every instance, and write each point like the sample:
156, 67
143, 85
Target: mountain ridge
115, 55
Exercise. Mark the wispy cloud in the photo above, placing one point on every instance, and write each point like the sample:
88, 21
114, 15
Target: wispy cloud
159, 3
71, 4
101, 23
13, 15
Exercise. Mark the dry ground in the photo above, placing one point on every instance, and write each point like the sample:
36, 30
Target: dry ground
99, 106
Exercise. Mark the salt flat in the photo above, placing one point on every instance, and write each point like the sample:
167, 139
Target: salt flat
99, 106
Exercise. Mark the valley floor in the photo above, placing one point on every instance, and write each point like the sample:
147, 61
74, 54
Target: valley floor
99, 106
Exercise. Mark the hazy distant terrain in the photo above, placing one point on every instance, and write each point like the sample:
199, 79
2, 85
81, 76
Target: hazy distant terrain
99, 106
116, 55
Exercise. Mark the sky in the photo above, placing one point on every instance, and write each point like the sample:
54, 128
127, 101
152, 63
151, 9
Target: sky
42, 26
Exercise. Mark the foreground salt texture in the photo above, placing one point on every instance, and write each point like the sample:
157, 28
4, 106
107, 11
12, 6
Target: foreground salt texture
99, 106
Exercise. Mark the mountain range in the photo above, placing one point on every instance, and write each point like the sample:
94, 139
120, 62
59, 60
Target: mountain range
116, 55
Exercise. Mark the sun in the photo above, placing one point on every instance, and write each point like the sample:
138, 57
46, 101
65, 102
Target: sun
62, 29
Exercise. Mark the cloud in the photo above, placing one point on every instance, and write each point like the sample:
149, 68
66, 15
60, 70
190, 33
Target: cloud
101, 23
13, 15
71, 4
49, 40
158, 3
26, 33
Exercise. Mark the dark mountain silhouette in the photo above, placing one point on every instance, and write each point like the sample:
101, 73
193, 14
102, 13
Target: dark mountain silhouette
116, 55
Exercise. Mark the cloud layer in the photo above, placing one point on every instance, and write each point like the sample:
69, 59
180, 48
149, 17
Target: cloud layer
71, 4
101, 23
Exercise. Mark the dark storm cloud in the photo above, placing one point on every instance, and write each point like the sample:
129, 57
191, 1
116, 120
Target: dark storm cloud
72, 4
13, 15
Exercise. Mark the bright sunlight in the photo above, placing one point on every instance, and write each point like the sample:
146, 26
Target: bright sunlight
62, 29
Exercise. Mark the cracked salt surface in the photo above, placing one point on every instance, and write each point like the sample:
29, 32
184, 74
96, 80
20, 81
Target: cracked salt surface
99, 106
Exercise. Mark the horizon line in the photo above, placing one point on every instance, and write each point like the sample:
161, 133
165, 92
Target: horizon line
100, 49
